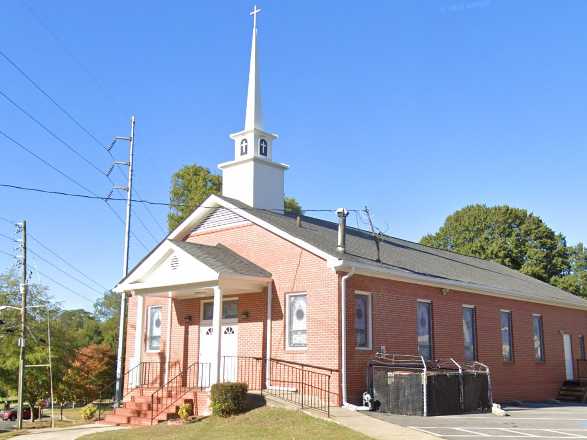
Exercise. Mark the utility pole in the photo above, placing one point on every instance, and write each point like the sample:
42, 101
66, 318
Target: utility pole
23, 310
128, 189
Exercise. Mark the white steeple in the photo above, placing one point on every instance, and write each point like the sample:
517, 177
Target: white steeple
252, 177
254, 116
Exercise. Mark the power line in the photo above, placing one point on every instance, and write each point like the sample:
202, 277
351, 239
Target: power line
48, 249
64, 272
68, 177
52, 133
66, 287
148, 202
49, 97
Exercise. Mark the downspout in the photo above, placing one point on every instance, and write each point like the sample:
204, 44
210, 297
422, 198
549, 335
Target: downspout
268, 340
343, 324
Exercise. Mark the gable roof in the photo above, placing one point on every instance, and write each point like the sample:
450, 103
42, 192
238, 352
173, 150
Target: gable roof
414, 261
221, 259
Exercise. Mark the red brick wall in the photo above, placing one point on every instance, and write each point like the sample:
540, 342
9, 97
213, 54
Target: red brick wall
394, 320
293, 270
394, 325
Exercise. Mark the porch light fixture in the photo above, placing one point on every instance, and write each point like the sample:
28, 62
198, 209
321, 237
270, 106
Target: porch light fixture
444, 291
245, 314
187, 318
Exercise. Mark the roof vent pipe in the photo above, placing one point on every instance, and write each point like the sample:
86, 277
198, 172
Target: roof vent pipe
342, 215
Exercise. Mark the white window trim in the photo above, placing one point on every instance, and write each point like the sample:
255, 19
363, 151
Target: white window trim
369, 346
208, 322
147, 349
288, 347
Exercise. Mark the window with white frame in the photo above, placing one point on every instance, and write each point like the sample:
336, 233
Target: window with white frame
363, 316
470, 333
505, 319
424, 329
154, 329
538, 334
297, 325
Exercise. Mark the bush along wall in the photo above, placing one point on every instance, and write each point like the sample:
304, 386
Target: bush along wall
228, 398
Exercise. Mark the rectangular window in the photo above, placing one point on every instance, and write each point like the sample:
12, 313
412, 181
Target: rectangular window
363, 320
470, 333
154, 334
582, 347
538, 337
506, 335
229, 310
424, 328
297, 320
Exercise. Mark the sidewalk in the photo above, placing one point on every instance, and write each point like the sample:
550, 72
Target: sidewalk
375, 428
70, 433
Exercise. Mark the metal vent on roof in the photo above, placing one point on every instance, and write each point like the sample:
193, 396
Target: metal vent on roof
174, 262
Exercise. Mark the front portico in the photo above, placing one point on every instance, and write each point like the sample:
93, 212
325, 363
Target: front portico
177, 272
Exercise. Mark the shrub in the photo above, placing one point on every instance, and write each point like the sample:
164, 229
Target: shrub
88, 412
228, 398
185, 411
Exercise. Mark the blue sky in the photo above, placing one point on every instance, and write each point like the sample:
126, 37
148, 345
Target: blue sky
414, 109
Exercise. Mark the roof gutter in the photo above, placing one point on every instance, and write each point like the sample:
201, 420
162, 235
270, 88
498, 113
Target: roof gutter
382, 272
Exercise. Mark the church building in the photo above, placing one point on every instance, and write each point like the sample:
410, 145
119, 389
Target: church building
295, 305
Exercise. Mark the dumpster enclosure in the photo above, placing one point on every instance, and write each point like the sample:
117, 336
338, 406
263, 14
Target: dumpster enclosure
410, 385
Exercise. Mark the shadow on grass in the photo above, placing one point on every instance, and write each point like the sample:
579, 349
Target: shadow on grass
254, 401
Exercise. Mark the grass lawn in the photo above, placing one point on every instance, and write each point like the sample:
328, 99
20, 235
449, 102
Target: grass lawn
261, 423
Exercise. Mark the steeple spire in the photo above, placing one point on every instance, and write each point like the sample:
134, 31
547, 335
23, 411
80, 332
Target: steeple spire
253, 117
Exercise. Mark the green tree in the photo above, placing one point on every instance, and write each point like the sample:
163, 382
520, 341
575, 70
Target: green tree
193, 184
291, 206
575, 280
107, 312
190, 186
510, 236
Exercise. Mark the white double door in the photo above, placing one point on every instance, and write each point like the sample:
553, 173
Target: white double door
228, 347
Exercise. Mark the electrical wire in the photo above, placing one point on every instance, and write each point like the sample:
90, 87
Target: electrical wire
63, 260
66, 287
68, 177
40, 257
149, 202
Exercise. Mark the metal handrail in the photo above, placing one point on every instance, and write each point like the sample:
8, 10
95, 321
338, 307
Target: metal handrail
179, 386
110, 387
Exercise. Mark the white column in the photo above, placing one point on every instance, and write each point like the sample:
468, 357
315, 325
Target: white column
268, 346
138, 351
168, 347
217, 334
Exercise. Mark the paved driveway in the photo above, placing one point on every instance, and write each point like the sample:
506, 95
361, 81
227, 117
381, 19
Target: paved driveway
538, 421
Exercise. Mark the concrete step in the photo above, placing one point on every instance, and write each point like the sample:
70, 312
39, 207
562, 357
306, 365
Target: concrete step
138, 405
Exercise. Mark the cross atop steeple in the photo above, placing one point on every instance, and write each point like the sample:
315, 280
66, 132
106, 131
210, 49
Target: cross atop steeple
252, 177
254, 13
253, 116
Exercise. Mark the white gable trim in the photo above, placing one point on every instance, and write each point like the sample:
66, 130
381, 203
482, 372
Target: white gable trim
197, 272
213, 202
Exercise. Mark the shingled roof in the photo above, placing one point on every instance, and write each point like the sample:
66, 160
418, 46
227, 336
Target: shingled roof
406, 257
221, 259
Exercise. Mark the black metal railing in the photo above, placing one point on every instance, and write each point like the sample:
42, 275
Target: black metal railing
196, 376
143, 374
304, 385
246, 369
